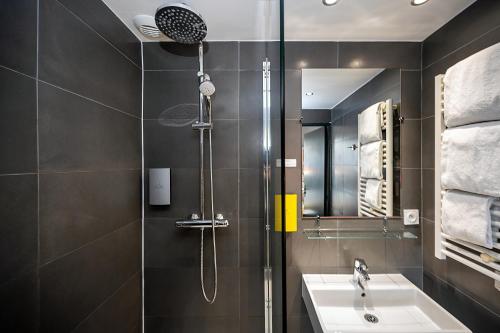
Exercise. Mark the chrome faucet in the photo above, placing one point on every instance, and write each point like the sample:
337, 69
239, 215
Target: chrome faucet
360, 276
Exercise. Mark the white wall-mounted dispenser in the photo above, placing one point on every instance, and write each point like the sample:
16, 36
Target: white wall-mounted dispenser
159, 186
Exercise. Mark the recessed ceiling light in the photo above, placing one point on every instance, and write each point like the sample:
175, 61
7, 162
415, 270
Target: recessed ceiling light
418, 2
309, 93
330, 2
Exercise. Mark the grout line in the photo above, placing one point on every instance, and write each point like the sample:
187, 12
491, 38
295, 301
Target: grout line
142, 190
88, 99
19, 174
37, 83
105, 301
86, 171
21, 73
98, 34
238, 230
460, 48
194, 71
93, 241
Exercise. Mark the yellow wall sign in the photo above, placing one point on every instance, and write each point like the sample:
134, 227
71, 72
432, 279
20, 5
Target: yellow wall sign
290, 212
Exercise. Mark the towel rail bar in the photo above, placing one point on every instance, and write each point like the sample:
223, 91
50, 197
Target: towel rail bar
479, 258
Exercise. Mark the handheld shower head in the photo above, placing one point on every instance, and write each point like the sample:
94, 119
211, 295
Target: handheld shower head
207, 87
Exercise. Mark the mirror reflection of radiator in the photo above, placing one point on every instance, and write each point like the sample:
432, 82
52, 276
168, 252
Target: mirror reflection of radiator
387, 200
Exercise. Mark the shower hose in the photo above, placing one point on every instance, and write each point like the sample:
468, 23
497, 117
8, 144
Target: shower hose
212, 299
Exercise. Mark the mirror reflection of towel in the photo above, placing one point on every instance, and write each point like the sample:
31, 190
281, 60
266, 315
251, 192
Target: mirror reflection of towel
371, 156
370, 128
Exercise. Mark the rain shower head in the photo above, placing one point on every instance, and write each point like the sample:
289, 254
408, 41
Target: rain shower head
181, 23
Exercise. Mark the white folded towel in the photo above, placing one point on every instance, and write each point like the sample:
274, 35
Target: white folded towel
370, 157
470, 159
373, 193
467, 216
471, 89
370, 128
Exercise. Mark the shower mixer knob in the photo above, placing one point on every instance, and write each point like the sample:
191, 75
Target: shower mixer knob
219, 217
195, 216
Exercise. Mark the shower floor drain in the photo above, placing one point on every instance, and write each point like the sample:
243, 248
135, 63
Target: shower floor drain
371, 318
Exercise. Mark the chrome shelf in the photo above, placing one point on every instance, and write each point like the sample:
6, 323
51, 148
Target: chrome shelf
324, 233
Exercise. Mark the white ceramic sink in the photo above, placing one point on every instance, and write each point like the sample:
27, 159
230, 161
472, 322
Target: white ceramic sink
336, 305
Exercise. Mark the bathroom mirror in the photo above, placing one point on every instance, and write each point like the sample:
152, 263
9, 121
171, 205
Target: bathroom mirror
350, 142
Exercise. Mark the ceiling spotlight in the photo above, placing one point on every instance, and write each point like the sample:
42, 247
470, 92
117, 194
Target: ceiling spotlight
330, 2
309, 93
418, 2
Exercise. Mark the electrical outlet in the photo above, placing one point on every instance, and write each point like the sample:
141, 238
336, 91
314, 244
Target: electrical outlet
411, 216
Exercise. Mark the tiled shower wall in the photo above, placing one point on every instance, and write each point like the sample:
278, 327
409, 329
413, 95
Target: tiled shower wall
467, 294
331, 256
173, 298
70, 99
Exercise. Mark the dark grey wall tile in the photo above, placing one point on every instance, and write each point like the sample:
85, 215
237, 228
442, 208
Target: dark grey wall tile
161, 236
163, 300
250, 143
299, 324
78, 134
161, 151
293, 94
206, 324
410, 144
471, 313
169, 55
76, 208
18, 230
254, 324
251, 243
18, 36
251, 189
315, 55
18, 309
184, 194
410, 94
108, 25
251, 303
428, 194
253, 54
86, 65
404, 55
173, 95
410, 188
404, 252
478, 19
428, 135
250, 98
73, 286
431, 263
119, 313
18, 126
